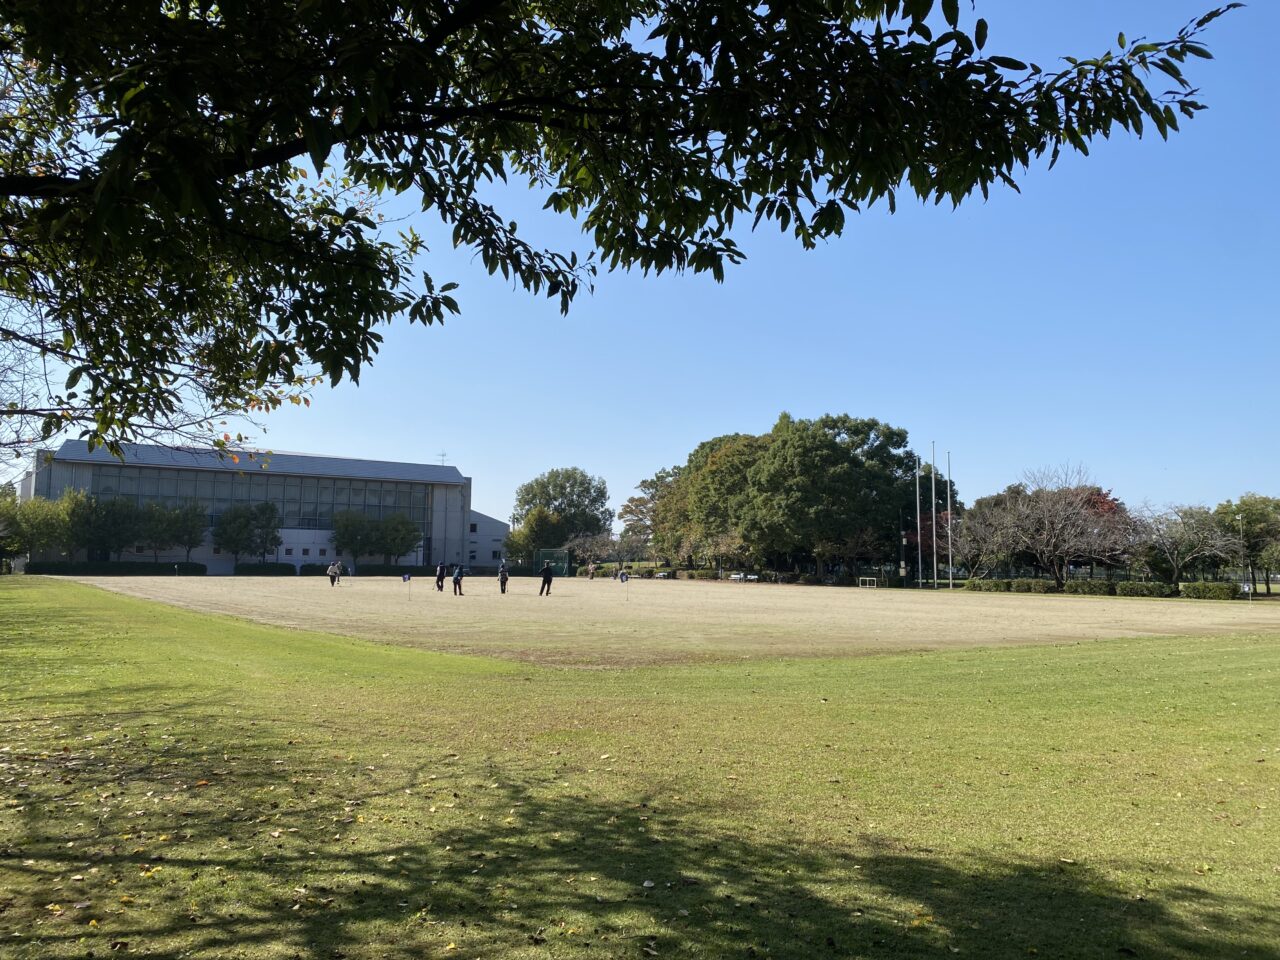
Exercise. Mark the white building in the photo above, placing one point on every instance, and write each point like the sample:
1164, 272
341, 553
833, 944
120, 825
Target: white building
486, 538
307, 490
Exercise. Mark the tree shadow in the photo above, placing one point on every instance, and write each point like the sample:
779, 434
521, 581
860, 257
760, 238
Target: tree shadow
174, 840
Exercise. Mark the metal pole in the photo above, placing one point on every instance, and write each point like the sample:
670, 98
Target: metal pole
919, 534
902, 550
1243, 562
933, 508
951, 570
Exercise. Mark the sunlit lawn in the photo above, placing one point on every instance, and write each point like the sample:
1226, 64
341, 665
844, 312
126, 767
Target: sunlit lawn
178, 784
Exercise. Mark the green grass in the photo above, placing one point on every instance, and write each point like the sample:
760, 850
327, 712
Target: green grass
175, 784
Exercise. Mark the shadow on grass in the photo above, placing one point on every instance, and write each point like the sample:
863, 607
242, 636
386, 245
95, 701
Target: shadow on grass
172, 839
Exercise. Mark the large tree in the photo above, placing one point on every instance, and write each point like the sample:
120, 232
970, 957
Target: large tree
236, 531
1178, 537
169, 247
1062, 518
837, 486
541, 529
1253, 522
190, 526
353, 533
394, 536
580, 500
108, 526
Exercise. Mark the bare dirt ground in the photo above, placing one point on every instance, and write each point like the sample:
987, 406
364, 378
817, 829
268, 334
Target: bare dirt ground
605, 623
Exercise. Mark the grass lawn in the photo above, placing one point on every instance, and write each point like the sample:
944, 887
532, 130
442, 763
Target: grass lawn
647, 622
174, 783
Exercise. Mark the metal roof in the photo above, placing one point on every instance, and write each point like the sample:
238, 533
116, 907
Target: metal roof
294, 464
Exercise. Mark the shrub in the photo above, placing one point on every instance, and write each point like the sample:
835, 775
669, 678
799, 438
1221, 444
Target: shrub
1135, 588
266, 570
1211, 591
124, 568
988, 586
1093, 588
1028, 585
314, 570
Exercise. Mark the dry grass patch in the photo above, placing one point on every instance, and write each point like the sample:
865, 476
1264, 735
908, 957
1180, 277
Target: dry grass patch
604, 623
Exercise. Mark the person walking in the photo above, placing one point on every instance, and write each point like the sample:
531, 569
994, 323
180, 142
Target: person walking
503, 576
457, 580
547, 576
334, 572
442, 571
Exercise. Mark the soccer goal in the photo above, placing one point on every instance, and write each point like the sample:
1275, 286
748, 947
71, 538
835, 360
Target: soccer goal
559, 560
872, 582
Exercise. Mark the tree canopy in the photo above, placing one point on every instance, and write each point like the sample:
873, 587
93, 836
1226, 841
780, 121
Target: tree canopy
579, 501
833, 488
170, 249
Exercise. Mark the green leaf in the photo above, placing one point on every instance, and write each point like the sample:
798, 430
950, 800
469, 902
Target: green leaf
1007, 63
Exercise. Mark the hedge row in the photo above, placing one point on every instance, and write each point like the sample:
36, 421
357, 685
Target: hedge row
266, 570
1092, 588
1107, 588
1211, 591
1137, 588
125, 568
989, 586
1027, 585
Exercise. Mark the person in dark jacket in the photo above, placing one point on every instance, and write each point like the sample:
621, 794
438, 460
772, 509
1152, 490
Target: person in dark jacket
441, 572
503, 576
547, 576
457, 580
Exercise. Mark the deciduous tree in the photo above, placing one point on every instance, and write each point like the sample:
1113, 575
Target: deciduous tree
166, 246
236, 531
394, 536
190, 526
1180, 536
579, 500
542, 529
353, 533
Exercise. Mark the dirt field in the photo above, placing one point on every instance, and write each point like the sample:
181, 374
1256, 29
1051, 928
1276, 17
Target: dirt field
605, 623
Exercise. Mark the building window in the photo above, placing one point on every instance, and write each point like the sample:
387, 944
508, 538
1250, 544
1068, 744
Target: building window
306, 551
473, 528
288, 551
138, 548
323, 552
472, 556
497, 554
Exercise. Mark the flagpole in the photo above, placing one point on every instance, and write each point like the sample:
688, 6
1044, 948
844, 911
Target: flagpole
919, 534
951, 570
933, 508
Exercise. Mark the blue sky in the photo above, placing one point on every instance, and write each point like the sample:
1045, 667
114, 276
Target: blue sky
1118, 314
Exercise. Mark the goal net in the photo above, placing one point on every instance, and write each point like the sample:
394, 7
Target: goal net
559, 560
868, 582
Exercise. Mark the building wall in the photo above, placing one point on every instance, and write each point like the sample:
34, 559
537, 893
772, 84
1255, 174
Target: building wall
486, 538
306, 505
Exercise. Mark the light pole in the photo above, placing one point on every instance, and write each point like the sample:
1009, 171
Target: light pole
1243, 562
